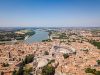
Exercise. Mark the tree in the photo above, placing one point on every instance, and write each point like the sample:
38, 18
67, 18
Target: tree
28, 59
46, 53
89, 70
5, 64
65, 56
62, 36
95, 43
14, 72
98, 61
20, 71
27, 71
97, 73
93, 71
48, 70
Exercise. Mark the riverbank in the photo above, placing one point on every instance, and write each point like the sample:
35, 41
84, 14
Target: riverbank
37, 37
15, 36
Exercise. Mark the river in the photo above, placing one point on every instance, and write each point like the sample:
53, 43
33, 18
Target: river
38, 36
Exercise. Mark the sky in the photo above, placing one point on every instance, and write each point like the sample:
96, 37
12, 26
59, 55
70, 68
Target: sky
49, 13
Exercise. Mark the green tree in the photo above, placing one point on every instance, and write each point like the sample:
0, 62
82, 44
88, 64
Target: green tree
48, 70
65, 56
89, 70
62, 36
14, 72
21, 71
28, 59
46, 53
27, 71
5, 64
95, 43
97, 73
98, 61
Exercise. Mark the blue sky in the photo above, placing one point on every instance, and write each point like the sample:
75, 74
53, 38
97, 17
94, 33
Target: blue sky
49, 13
